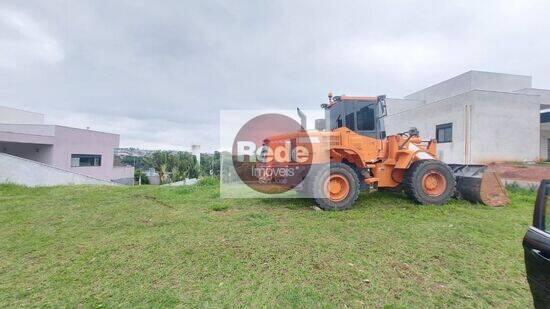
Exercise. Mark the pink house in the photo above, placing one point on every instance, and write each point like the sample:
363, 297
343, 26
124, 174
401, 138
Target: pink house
24, 134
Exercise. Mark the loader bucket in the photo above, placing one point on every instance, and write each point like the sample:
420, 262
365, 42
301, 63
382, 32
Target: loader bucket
476, 184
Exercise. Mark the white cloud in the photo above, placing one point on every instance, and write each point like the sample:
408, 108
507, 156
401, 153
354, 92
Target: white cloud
29, 44
406, 57
159, 74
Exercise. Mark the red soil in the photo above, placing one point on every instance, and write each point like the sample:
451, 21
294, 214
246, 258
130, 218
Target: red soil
520, 171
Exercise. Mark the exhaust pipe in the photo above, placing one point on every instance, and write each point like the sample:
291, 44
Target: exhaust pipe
303, 119
477, 185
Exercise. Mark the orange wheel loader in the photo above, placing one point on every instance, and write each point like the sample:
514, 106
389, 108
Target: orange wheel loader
351, 152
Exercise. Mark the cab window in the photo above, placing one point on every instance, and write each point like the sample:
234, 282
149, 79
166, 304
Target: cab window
335, 116
365, 119
350, 115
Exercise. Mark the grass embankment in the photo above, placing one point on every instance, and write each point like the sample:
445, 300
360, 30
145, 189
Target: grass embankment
184, 246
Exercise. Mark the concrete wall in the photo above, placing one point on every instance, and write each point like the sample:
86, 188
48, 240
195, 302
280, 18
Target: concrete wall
123, 175
30, 173
64, 142
124, 181
425, 117
35, 152
399, 105
451, 87
544, 95
40, 130
544, 138
25, 138
69, 141
505, 127
502, 126
154, 180
472, 80
13, 115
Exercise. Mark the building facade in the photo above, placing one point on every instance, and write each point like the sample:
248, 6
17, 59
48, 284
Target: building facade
13, 115
24, 134
478, 118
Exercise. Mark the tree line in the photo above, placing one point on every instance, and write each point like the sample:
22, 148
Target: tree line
172, 166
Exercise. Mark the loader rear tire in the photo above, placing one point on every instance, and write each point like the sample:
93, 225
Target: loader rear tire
429, 182
336, 188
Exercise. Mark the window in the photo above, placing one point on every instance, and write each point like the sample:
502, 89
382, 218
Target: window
542, 207
349, 111
335, 116
350, 121
546, 225
546, 213
78, 160
365, 119
444, 133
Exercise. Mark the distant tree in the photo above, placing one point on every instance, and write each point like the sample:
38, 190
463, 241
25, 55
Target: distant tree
139, 174
164, 176
173, 165
135, 161
160, 161
210, 164
175, 175
186, 165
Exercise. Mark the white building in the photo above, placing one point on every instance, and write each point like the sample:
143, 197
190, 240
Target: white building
10, 115
478, 117
90, 153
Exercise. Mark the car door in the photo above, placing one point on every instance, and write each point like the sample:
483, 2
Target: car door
536, 244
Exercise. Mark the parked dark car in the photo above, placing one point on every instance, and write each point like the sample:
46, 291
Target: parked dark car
536, 244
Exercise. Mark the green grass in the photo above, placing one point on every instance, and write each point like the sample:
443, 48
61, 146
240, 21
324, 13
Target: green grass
152, 246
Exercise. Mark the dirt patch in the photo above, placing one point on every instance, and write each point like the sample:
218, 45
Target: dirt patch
518, 171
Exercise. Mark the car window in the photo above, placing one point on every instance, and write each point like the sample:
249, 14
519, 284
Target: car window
547, 211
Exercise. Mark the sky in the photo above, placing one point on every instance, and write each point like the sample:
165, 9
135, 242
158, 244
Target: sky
159, 72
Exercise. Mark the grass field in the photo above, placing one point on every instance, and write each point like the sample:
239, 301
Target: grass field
152, 246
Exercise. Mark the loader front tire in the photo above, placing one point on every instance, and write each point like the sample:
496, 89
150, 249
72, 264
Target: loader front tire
429, 182
336, 188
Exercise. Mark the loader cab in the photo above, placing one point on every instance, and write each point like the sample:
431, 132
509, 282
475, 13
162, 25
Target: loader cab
363, 115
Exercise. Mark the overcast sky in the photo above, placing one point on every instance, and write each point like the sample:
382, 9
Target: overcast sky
159, 72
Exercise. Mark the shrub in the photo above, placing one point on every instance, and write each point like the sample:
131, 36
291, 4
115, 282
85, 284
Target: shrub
144, 178
209, 181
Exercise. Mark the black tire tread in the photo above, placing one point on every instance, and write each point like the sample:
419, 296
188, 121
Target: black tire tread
318, 181
413, 188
